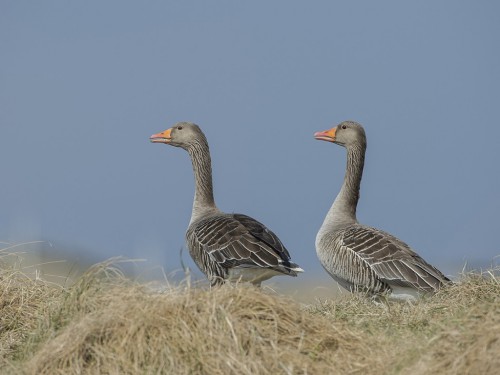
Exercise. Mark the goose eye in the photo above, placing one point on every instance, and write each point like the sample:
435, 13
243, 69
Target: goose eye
344, 126
179, 128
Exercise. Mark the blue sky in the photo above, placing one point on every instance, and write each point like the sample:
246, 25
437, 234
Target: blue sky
84, 85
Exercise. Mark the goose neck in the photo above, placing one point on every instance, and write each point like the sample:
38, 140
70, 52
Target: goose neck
343, 209
203, 202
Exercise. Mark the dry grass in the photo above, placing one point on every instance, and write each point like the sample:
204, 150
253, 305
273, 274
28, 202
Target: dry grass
457, 331
105, 324
22, 301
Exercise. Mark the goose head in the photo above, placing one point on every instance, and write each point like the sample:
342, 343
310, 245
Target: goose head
346, 134
182, 134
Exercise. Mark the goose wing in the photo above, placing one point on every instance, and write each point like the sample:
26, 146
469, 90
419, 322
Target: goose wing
235, 240
392, 260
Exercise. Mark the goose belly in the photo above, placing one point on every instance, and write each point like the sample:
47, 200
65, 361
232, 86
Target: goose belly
251, 275
400, 293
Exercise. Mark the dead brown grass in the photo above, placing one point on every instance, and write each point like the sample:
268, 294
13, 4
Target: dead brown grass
22, 301
469, 340
457, 331
105, 324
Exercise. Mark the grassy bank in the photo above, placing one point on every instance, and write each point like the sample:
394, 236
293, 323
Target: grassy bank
105, 323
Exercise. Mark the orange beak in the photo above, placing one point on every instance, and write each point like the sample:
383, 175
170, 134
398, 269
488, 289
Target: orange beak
163, 137
327, 135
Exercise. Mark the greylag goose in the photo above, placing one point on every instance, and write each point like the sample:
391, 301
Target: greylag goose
224, 246
361, 258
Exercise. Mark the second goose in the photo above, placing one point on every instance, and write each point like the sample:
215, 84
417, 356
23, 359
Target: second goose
361, 258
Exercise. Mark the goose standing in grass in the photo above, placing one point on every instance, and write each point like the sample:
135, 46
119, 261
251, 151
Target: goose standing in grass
224, 246
361, 258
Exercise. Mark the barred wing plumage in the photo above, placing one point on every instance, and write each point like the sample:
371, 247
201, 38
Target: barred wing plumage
226, 241
392, 260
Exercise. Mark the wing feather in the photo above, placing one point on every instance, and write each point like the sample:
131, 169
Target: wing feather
235, 240
392, 260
